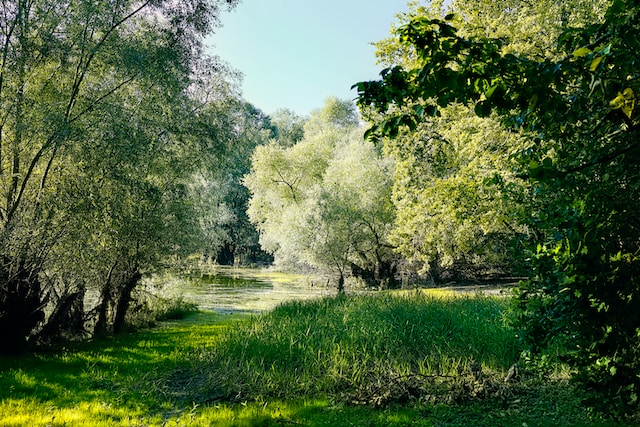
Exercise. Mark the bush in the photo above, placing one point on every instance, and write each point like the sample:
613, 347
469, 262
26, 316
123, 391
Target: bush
175, 309
585, 300
150, 309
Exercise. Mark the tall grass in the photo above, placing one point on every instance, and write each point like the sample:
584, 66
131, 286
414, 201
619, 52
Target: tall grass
314, 355
373, 349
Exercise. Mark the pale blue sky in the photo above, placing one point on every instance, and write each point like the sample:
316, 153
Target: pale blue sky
296, 53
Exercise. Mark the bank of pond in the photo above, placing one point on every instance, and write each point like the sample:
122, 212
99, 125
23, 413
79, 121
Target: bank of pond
419, 357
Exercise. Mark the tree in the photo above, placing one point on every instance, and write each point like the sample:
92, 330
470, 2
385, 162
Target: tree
92, 98
325, 201
355, 213
288, 127
577, 108
459, 202
336, 114
222, 199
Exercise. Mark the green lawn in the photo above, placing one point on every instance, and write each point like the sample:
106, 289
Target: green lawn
384, 360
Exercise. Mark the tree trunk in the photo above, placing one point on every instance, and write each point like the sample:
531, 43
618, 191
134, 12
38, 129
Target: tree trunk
124, 301
66, 321
21, 304
341, 283
100, 329
387, 275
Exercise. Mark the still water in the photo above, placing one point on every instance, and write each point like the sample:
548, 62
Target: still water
232, 290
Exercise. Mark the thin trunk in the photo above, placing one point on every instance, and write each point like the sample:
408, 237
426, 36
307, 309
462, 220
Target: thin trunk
22, 25
3, 70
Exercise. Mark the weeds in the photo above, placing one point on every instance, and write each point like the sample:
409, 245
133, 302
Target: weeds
174, 309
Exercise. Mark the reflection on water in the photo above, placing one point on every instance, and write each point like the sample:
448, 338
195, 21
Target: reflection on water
243, 289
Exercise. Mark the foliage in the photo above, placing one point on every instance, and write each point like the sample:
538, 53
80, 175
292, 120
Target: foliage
97, 145
381, 349
220, 198
325, 200
288, 126
458, 198
458, 205
577, 108
175, 309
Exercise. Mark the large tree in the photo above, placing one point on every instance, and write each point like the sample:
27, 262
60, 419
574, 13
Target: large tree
577, 109
325, 201
456, 189
93, 101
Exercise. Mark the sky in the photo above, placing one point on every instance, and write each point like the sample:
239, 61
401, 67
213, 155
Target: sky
296, 53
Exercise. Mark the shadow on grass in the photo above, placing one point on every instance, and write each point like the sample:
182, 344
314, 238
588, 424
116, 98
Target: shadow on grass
124, 372
167, 376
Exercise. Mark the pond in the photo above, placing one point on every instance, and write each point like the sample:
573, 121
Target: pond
250, 290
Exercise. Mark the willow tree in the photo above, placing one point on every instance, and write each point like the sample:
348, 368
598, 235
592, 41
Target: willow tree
325, 201
222, 199
92, 95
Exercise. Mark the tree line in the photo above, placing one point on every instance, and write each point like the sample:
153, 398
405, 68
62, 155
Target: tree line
111, 118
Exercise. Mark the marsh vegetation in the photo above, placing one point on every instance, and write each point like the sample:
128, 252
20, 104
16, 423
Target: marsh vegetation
423, 359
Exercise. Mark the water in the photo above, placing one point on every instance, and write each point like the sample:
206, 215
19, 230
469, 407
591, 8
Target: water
233, 290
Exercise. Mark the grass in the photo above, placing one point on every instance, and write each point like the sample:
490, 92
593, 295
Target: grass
366, 349
383, 360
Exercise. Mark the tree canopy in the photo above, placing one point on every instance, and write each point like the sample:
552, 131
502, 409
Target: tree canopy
99, 110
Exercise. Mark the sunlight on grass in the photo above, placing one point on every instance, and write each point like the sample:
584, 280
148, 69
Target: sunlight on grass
377, 360
24, 380
429, 292
341, 346
29, 412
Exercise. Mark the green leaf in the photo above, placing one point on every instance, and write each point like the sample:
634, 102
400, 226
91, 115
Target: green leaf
617, 102
581, 52
371, 132
625, 101
595, 63
483, 108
